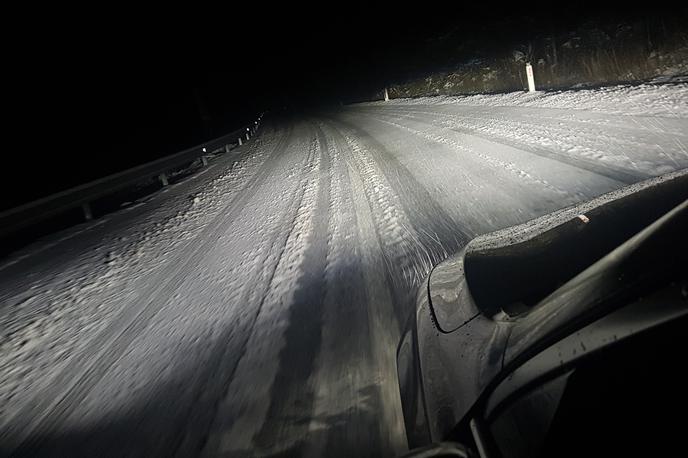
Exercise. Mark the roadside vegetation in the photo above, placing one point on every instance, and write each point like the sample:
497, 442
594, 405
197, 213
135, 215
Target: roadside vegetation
591, 54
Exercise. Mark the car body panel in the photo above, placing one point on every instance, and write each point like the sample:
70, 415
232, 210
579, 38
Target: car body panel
458, 346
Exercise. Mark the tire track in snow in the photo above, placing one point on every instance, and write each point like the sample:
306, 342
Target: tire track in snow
211, 310
593, 163
60, 314
587, 120
479, 196
55, 402
412, 224
509, 166
357, 398
262, 419
627, 149
292, 394
288, 241
340, 369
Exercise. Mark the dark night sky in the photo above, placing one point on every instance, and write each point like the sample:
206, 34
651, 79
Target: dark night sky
98, 91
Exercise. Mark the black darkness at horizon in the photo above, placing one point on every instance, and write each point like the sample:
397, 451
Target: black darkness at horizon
104, 96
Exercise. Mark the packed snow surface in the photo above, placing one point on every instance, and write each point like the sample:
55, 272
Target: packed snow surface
255, 307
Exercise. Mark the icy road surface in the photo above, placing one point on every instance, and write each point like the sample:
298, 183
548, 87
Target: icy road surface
255, 308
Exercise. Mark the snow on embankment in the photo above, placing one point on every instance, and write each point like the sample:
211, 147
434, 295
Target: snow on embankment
47, 319
669, 100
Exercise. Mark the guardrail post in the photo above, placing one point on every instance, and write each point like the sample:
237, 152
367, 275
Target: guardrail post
204, 160
163, 179
86, 207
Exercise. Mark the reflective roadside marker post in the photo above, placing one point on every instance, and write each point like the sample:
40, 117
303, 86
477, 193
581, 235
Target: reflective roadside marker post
88, 215
163, 179
239, 141
386, 95
531, 80
247, 137
204, 161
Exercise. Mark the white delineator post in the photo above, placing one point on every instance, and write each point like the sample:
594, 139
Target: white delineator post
88, 215
240, 141
531, 79
386, 95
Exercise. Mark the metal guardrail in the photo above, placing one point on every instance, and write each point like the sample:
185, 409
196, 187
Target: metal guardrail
81, 196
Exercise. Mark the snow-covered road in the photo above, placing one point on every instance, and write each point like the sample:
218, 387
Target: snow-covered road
255, 308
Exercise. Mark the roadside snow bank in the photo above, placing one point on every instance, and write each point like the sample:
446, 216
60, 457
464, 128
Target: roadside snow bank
669, 100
